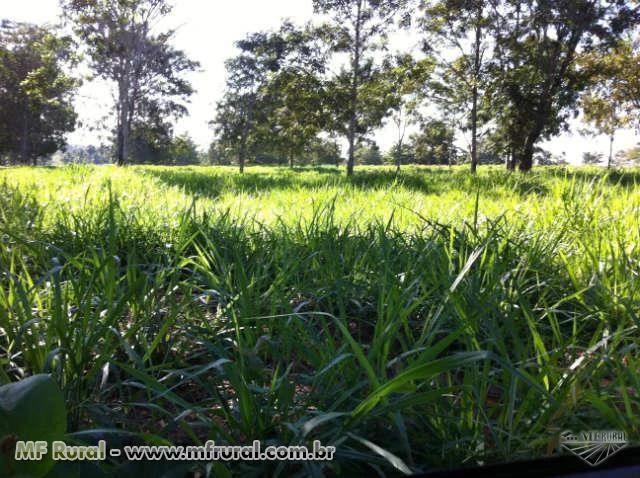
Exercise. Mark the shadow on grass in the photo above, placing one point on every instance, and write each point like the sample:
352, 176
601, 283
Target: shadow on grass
212, 183
616, 177
334, 170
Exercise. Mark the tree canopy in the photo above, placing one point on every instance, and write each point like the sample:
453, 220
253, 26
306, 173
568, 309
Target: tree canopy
124, 48
358, 95
494, 78
36, 91
538, 81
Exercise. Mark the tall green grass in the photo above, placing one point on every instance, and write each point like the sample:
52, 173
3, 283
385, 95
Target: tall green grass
415, 321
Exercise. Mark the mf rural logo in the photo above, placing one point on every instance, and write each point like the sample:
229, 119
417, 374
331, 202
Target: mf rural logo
595, 446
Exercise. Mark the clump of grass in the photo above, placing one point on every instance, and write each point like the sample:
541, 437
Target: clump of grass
180, 311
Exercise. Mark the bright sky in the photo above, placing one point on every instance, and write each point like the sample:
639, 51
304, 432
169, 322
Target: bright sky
207, 30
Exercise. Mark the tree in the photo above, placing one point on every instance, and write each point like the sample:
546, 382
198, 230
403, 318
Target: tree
629, 157
184, 151
146, 69
36, 93
434, 144
611, 97
625, 60
83, 155
536, 44
542, 157
218, 154
234, 117
246, 73
293, 108
461, 25
403, 156
149, 143
368, 153
486, 156
295, 111
252, 108
359, 28
592, 158
407, 79
323, 151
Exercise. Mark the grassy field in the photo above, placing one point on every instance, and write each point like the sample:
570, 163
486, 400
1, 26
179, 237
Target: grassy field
417, 321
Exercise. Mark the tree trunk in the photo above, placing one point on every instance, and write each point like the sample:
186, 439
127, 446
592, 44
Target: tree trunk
354, 94
24, 140
525, 156
610, 162
242, 151
291, 160
474, 132
241, 154
398, 156
123, 123
527, 140
511, 160
351, 158
474, 93
245, 133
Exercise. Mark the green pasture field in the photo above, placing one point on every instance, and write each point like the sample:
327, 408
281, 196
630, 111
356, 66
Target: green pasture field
415, 321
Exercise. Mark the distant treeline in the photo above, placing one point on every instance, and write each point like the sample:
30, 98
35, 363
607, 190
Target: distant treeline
498, 77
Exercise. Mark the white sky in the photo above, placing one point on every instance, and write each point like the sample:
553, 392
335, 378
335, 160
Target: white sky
207, 30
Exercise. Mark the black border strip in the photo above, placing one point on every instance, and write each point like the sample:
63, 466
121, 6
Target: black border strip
625, 463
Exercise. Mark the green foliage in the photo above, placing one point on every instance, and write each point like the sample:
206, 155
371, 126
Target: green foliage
407, 79
406, 155
31, 409
487, 156
294, 112
360, 95
544, 157
150, 146
461, 86
36, 93
629, 157
217, 154
613, 94
273, 98
415, 320
184, 151
614, 90
538, 77
147, 71
72, 154
368, 153
322, 151
434, 144
591, 158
